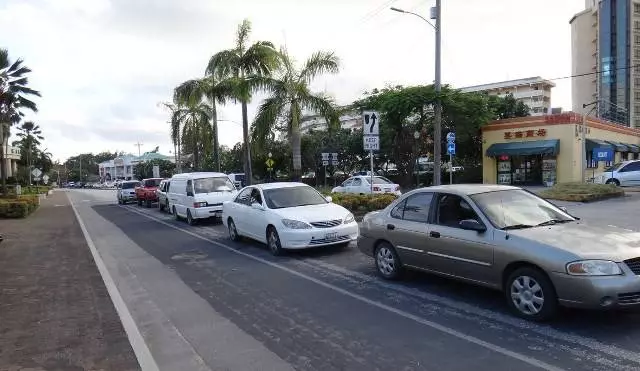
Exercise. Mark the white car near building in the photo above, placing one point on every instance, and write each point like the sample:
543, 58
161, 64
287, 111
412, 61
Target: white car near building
362, 185
196, 196
625, 174
288, 216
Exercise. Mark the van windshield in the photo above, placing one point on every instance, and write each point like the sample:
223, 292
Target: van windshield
213, 184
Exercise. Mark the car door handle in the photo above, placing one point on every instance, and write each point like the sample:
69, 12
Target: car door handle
434, 234
391, 226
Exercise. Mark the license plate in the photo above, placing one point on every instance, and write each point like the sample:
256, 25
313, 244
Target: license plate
331, 236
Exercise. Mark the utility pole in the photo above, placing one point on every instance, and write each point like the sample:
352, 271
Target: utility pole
437, 121
80, 159
138, 144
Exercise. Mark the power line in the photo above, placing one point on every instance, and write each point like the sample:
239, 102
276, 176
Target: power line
593, 73
377, 10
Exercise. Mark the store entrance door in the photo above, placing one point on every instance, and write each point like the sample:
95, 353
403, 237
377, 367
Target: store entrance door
526, 170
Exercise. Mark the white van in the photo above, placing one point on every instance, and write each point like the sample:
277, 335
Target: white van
199, 195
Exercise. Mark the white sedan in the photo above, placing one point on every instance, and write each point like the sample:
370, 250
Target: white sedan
361, 184
288, 216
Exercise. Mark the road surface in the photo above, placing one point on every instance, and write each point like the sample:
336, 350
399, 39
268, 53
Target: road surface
191, 299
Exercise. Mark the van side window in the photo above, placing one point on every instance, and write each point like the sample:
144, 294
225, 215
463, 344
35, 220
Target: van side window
189, 186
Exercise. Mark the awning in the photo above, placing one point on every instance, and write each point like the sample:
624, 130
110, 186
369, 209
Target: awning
619, 147
595, 143
534, 147
633, 147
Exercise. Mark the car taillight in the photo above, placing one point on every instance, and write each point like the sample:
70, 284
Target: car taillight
397, 188
199, 204
376, 189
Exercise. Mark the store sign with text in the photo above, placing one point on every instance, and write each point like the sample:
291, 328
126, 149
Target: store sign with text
525, 134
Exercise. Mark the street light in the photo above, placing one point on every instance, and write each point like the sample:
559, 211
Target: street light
416, 136
437, 122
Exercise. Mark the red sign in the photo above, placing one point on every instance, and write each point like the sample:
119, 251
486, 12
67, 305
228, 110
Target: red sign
563, 118
525, 134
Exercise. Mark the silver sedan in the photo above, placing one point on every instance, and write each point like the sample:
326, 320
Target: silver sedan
508, 239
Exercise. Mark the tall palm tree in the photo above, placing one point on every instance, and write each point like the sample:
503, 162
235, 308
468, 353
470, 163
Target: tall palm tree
30, 135
194, 91
289, 96
191, 124
241, 69
175, 133
14, 91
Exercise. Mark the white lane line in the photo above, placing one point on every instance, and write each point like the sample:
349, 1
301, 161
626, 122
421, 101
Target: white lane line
140, 348
493, 347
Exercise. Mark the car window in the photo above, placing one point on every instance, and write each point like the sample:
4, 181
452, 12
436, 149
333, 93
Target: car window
347, 182
129, 185
357, 182
152, 182
189, 186
244, 196
633, 166
415, 208
381, 180
452, 209
255, 197
280, 198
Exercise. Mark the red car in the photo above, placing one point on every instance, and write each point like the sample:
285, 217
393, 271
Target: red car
146, 192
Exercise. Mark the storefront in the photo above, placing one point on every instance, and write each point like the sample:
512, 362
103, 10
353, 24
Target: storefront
544, 150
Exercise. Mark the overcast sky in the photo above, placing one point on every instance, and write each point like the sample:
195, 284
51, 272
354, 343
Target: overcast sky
103, 66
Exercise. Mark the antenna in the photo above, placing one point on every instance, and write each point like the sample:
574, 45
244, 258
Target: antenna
138, 144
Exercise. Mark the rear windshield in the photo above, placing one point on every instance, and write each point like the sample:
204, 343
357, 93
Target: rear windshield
129, 185
152, 182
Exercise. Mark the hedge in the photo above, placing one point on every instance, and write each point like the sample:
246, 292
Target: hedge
18, 207
361, 204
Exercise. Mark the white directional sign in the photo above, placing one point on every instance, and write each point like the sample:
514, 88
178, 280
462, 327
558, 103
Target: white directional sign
334, 155
45, 179
325, 163
371, 142
371, 123
325, 156
36, 172
451, 136
334, 162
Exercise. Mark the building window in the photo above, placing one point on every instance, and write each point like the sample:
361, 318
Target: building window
636, 8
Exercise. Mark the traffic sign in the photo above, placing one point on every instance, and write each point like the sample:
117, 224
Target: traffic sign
45, 179
371, 143
334, 162
325, 162
371, 124
334, 155
269, 163
451, 148
451, 137
325, 156
36, 172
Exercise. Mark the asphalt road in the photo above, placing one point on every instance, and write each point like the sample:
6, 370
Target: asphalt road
196, 300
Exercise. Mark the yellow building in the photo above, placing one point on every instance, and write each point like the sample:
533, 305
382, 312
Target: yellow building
540, 150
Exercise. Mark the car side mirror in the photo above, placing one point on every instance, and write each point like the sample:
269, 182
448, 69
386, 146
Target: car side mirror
563, 208
472, 225
329, 199
257, 206
189, 193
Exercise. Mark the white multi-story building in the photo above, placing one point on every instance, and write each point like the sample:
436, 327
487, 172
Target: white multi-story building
605, 50
535, 92
123, 167
351, 120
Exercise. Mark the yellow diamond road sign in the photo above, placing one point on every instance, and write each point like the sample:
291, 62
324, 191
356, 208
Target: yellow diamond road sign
269, 163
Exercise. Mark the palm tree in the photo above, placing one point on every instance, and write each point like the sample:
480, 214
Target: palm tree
240, 69
194, 91
30, 135
13, 92
289, 96
175, 133
190, 129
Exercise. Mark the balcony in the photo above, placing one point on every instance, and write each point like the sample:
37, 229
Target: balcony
12, 153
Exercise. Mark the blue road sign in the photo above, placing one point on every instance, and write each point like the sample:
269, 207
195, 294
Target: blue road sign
451, 137
451, 148
602, 154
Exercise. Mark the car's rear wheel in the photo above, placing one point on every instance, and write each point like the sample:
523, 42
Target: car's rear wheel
387, 261
190, 219
148, 204
233, 231
273, 242
139, 202
531, 295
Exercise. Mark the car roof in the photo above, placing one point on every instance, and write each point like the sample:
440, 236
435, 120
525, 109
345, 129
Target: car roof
130, 181
264, 186
152, 179
467, 189
199, 175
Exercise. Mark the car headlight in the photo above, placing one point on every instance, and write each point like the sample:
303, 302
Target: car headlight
594, 268
349, 218
295, 224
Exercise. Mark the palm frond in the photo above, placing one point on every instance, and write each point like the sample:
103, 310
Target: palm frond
242, 35
224, 64
266, 119
189, 92
260, 59
319, 63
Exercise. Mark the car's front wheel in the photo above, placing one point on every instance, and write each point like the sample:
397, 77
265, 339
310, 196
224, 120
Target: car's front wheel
273, 242
233, 231
531, 295
190, 219
387, 261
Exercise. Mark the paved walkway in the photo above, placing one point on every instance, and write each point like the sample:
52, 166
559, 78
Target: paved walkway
55, 311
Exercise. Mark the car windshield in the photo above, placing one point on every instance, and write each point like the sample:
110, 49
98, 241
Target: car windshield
129, 185
213, 184
615, 167
152, 182
512, 209
279, 198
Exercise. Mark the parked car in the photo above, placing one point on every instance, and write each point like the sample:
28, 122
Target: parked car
146, 191
508, 239
163, 195
288, 215
126, 191
199, 195
625, 174
360, 184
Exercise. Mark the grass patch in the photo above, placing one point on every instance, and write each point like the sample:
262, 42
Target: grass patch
581, 192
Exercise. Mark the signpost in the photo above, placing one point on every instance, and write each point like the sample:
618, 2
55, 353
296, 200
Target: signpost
45, 179
328, 159
36, 174
156, 171
270, 164
371, 136
603, 154
451, 150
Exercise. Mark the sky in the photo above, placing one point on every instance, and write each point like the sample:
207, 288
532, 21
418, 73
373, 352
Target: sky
103, 67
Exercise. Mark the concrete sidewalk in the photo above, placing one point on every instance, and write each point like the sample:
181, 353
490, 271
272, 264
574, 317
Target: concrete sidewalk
55, 311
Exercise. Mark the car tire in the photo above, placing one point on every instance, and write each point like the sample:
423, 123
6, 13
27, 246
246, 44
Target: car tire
175, 214
530, 294
387, 262
273, 242
615, 182
139, 202
119, 201
148, 203
233, 231
190, 219
160, 206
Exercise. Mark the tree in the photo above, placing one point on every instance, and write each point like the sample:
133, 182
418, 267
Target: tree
14, 90
241, 69
289, 96
190, 130
507, 107
30, 136
145, 169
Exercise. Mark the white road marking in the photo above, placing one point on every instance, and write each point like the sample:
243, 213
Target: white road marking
140, 348
496, 348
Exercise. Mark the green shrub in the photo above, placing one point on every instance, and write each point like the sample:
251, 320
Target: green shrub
18, 207
359, 204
